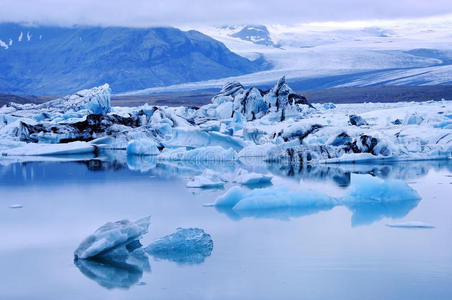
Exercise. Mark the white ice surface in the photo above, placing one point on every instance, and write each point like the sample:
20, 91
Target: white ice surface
111, 235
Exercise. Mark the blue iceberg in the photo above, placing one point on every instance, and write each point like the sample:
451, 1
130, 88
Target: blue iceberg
369, 199
185, 246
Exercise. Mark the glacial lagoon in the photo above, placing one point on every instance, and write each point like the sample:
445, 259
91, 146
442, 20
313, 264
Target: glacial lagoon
360, 250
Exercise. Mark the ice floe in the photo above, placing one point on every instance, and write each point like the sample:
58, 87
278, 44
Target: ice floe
113, 238
411, 224
208, 179
368, 198
185, 246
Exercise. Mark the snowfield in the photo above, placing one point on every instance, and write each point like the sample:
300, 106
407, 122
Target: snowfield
273, 126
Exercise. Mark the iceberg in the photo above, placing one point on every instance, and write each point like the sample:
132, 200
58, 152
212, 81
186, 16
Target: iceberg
142, 147
50, 149
113, 238
368, 198
251, 179
208, 179
185, 246
276, 125
210, 153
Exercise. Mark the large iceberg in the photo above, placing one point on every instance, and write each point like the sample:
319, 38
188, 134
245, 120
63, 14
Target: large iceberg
369, 199
277, 125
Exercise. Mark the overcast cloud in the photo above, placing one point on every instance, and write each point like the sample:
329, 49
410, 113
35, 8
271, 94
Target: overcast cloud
212, 12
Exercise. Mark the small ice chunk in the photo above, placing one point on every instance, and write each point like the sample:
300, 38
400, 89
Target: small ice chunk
111, 236
142, 147
208, 179
210, 153
16, 206
412, 224
244, 177
186, 245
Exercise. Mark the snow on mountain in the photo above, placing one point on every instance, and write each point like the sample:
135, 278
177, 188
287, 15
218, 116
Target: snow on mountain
257, 34
345, 50
3, 44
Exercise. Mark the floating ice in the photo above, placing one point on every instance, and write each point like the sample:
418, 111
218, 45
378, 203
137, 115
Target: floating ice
412, 224
111, 237
51, 149
185, 246
244, 177
142, 147
208, 179
276, 125
369, 199
16, 206
211, 153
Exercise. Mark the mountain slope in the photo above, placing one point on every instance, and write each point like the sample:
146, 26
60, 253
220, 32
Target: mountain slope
55, 60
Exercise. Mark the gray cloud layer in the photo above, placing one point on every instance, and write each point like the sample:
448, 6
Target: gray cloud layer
196, 12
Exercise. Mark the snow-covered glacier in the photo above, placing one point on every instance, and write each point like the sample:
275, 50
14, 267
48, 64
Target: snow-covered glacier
277, 125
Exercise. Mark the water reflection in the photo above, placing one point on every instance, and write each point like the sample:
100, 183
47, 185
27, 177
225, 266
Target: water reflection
115, 272
116, 164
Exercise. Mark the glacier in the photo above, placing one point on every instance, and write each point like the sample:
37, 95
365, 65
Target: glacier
240, 123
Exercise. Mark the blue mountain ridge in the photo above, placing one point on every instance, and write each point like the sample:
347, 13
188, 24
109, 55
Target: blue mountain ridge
50, 60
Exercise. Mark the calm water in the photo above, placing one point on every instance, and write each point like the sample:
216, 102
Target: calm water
338, 253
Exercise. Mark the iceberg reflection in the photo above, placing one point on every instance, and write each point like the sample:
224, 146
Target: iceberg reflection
115, 272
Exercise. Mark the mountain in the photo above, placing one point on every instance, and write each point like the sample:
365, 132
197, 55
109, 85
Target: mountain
55, 60
257, 34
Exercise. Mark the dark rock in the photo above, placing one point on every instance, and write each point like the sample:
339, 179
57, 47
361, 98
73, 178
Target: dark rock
357, 120
342, 139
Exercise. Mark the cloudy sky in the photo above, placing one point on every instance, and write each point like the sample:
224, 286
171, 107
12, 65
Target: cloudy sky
213, 12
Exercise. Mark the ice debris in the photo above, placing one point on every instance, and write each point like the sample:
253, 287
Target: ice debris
250, 179
210, 153
208, 179
185, 246
113, 238
274, 125
16, 206
412, 224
